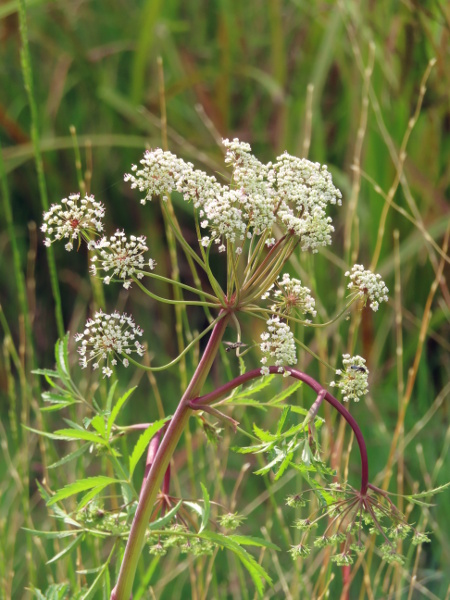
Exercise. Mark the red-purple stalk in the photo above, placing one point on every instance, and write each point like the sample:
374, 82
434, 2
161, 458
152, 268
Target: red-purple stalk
313, 384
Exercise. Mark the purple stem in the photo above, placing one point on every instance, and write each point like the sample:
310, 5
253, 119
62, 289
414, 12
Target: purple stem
313, 384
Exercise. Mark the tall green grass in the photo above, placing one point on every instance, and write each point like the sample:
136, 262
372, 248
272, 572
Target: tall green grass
339, 81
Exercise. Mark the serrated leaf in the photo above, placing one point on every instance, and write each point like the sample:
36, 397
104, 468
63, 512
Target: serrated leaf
284, 465
80, 434
206, 508
81, 486
117, 408
282, 420
162, 521
264, 436
65, 459
66, 550
143, 441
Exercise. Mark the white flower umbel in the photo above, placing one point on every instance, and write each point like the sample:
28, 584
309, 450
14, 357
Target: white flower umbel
353, 378
368, 285
73, 218
121, 257
305, 190
107, 337
278, 344
292, 193
290, 295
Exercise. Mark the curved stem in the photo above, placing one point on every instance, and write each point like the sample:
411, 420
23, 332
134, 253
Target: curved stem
313, 384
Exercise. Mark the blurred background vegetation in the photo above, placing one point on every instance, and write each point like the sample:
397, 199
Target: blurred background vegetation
282, 75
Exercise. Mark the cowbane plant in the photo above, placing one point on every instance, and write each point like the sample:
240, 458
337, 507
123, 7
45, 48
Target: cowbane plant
254, 224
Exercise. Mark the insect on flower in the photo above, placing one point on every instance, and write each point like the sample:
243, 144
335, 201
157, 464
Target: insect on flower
358, 369
233, 346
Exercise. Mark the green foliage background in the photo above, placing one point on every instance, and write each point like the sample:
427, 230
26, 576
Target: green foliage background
268, 73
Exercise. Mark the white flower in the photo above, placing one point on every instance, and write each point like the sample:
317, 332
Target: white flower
353, 380
121, 257
278, 343
72, 219
107, 337
368, 285
293, 193
291, 295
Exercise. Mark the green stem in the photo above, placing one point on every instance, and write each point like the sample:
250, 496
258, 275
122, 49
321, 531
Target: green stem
123, 588
176, 302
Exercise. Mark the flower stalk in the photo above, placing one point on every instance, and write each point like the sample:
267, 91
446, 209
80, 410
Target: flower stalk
152, 484
313, 384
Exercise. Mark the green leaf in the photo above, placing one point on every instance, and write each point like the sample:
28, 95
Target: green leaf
66, 550
162, 521
80, 434
256, 571
46, 373
51, 535
111, 392
206, 508
81, 486
89, 496
98, 423
284, 465
264, 436
62, 355
117, 408
52, 436
283, 417
247, 540
281, 397
143, 441
75, 454
255, 388
55, 407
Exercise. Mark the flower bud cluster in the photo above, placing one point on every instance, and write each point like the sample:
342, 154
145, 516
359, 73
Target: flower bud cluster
279, 344
353, 379
290, 296
121, 257
71, 219
106, 337
368, 285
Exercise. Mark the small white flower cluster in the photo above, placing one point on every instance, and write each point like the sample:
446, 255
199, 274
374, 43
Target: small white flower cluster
353, 380
292, 192
291, 295
306, 188
71, 219
121, 257
106, 337
278, 343
368, 285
